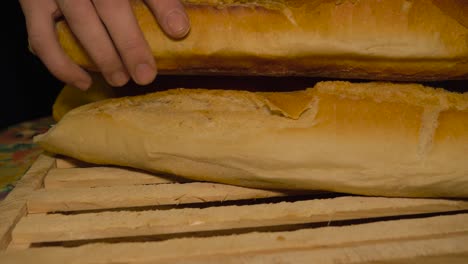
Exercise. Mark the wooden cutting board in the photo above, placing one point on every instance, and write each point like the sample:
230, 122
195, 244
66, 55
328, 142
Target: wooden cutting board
64, 211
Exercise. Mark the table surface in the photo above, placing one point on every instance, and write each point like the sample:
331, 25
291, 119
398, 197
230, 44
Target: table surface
18, 152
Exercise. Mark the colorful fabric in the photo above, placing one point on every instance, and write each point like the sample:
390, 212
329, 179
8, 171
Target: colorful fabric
18, 152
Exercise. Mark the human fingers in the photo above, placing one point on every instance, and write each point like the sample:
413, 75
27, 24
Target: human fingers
43, 41
171, 17
127, 38
85, 23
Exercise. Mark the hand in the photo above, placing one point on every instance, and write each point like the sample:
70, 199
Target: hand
108, 31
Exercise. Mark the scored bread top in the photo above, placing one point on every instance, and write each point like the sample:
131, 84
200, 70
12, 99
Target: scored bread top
288, 104
364, 138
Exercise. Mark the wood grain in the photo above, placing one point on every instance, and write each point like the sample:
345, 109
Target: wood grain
139, 196
49, 228
442, 239
101, 177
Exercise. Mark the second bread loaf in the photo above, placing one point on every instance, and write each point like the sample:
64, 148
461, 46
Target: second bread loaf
363, 138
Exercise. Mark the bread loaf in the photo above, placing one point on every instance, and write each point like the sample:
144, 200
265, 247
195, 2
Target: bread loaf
417, 40
362, 138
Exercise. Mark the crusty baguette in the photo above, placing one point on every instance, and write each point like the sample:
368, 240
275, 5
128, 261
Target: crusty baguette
395, 40
364, 138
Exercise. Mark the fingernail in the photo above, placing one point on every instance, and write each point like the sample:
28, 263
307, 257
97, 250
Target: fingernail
82, 85
177, 23
119, 78
144, 74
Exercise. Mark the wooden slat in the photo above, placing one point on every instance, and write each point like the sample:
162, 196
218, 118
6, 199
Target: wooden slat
439, 238
139, 196
14, 205
432, 258
16, 247
48, 228
443, 250
101, 177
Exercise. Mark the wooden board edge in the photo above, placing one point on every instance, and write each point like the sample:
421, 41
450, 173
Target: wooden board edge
13, 208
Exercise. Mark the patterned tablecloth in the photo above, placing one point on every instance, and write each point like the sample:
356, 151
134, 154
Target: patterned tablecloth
18, 152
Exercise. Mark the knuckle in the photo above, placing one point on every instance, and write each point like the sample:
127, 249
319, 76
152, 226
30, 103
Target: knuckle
99, 3
74, 6
35, 43
132, 46
104, 3
108, 6
65, 4
61, 71
107, 63
68, 3
64, 71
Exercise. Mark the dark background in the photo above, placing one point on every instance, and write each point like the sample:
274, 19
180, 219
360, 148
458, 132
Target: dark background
27, 88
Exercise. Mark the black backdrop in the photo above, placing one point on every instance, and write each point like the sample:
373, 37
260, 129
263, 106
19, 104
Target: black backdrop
27, 89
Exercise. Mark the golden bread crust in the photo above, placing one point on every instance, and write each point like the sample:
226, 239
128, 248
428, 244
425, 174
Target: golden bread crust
397, 40
364, 138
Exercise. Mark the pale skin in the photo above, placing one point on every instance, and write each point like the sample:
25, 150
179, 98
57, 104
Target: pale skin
109, 32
